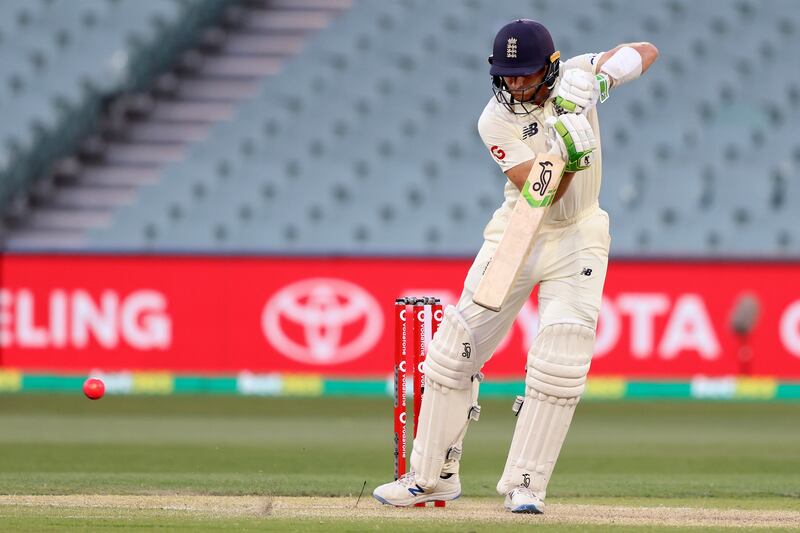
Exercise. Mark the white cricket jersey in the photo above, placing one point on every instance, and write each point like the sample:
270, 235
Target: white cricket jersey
513, 139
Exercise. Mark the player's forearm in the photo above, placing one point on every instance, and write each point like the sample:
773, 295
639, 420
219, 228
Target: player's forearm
580, 89
518, 175
627, 62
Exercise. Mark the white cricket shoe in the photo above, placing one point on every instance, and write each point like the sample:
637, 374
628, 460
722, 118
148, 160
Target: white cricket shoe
405, 492
523, 500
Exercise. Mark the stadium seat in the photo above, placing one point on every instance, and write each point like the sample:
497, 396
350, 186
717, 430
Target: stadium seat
366, 142
60, 58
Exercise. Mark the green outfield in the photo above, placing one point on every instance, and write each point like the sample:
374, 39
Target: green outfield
172, 455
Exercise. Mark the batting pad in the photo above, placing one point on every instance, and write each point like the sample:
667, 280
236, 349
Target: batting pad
451, 393
443, 422
450, 360
558, 363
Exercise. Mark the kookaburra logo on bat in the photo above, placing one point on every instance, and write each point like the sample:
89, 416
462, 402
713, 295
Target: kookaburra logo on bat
537, 190
544, 178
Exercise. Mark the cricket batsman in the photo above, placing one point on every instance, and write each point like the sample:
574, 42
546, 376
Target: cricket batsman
540, 105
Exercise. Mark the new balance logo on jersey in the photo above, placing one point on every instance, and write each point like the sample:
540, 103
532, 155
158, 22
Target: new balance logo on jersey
587, 272
416, 490
511, 48
530, 130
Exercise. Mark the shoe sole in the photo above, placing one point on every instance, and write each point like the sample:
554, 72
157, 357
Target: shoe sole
384, 502
528, 508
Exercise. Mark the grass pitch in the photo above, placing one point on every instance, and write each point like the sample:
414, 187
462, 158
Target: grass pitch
625, 460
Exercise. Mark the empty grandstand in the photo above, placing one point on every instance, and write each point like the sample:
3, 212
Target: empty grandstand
339, 127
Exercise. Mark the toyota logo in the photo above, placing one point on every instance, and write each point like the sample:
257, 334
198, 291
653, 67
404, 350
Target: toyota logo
322, 321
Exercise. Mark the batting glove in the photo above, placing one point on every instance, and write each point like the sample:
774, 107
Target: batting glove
572, 136
579, 91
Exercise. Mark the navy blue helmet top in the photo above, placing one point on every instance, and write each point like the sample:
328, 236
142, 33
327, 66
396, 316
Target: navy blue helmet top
521, 48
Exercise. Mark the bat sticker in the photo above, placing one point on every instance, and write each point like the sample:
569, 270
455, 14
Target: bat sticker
540, 187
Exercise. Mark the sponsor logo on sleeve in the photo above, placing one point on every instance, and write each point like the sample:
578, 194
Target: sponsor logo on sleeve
498, 153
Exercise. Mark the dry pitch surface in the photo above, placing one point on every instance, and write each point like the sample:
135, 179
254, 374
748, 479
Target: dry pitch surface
477, 510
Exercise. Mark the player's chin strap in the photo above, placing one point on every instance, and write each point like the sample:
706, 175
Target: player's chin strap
624, 66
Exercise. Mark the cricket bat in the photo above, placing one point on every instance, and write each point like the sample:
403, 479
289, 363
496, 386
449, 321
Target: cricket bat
515, 244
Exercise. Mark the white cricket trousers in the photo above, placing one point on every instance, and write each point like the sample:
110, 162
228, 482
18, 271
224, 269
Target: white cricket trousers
568, 260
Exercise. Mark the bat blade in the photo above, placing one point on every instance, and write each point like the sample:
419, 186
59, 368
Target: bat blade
515, 245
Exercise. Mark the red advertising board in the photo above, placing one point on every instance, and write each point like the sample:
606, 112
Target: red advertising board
333, 316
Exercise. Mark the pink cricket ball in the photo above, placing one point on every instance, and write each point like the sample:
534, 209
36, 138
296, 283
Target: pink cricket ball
94, 388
